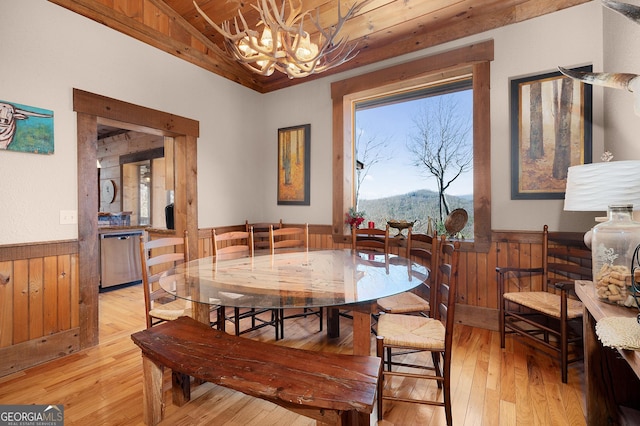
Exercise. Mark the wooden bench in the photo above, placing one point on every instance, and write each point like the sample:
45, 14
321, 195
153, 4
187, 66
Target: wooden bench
330, 388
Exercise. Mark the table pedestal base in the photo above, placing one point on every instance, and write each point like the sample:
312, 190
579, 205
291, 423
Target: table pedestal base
361, 326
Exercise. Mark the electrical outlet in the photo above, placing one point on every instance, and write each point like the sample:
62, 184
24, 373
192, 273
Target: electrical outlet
68, 217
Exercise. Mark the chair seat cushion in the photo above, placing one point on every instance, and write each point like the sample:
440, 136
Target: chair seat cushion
172, 310
403, 302
545, 302
411, 331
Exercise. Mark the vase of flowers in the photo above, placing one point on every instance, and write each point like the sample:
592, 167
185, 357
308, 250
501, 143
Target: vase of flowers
354, 218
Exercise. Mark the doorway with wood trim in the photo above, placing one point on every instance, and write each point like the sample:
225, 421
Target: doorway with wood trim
91, 110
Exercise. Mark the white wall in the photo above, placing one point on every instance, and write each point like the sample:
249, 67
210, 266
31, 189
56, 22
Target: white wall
306, 103
48, 51
568, 38
621, 41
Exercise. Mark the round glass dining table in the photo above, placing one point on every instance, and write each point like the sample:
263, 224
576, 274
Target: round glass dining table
325, 278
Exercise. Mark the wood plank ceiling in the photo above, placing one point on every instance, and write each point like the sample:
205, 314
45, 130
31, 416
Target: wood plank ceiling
382, 29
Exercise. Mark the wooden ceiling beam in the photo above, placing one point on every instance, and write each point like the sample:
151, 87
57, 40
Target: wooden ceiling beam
212, 59
383, 29
415, 34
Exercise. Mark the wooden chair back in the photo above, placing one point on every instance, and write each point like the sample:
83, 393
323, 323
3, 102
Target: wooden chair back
424, 249
232, 244
289, 239
157, 257
446, 278
446, 289
565, 257
261, 232
370, 239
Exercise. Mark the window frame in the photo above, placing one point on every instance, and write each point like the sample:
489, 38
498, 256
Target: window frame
471, 60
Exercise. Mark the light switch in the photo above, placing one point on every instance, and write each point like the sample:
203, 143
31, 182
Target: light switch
68, 217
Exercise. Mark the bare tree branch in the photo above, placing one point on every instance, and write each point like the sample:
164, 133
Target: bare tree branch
441, 146
369, 152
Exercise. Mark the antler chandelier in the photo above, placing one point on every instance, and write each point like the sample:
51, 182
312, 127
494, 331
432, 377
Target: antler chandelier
283, 44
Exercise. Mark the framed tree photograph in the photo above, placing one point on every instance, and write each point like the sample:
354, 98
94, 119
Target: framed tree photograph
294, 149
550, 131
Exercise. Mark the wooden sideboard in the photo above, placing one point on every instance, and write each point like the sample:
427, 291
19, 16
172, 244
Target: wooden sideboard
612, 376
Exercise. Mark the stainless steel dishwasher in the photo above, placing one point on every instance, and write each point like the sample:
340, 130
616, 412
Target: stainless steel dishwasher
120, 258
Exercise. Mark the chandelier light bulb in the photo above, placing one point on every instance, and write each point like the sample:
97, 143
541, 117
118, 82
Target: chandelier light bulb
267, 38
293, 54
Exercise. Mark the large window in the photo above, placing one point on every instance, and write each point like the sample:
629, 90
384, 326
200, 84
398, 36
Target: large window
414, 155
466, 65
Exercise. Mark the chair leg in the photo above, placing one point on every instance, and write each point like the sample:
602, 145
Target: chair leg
374, 320
447, 393
501, 321
380, 354
443, 369
564, 350
221, 318
236, 320
281, 324
435, 356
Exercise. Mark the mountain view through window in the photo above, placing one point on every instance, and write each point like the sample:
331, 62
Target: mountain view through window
414, 156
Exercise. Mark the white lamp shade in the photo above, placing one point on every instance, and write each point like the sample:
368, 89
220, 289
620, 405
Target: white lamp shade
596, 186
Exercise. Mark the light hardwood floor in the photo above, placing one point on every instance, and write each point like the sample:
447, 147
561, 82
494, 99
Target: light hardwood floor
490, 386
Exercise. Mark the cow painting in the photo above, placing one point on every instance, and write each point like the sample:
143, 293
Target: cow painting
38, 137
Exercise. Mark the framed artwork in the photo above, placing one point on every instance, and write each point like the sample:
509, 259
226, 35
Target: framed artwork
25, 128
550, 131
294, 148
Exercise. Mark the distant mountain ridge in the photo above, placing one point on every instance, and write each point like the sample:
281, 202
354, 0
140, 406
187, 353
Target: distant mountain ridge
415, 205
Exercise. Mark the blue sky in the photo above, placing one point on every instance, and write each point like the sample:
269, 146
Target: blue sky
396, 123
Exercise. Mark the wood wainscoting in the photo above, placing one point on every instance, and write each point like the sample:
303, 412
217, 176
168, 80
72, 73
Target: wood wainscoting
40, 295
39, 303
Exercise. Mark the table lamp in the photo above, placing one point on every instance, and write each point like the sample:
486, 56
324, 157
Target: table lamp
594, 187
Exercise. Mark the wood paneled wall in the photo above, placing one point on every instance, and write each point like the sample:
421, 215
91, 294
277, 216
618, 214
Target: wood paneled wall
39, 303
40, 299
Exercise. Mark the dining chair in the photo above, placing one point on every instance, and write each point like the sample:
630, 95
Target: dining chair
419, 334
233, 245
292, 239
288, 239
370, 239
261, 233
539, 304
157, 257
424, 249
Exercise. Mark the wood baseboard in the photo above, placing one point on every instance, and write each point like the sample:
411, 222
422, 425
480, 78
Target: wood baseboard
37, 351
